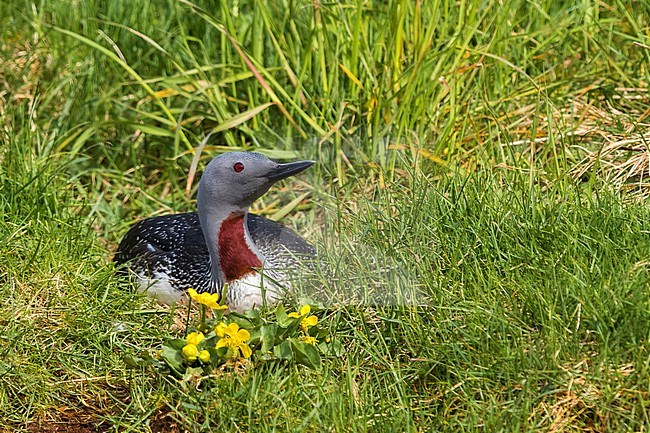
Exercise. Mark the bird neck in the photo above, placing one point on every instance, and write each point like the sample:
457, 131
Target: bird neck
233, 254
238, 254
211, 217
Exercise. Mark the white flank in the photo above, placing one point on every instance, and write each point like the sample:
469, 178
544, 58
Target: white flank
159, 288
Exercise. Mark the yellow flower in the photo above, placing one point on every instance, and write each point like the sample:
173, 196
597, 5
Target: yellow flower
207, 299
304, 310
220, 329
307, 322
195, 338
234, 339
190, 352
204, 356
309, 339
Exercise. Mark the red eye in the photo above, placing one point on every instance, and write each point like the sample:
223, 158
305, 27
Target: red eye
238, 167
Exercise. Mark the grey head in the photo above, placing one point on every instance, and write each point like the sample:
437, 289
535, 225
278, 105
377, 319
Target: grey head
230, 184
234, 180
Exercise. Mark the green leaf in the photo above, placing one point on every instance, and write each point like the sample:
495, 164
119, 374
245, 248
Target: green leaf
242, 321
209, 341
256, 336
192, 374
306, 354
240, 118
333, 348
215, 359
283, 350
268, 333
173, 357
133, 361
280, 312
222, 352
282, 318
318, 332
149, 129
175, 343
83, 137
279, 154
253, 315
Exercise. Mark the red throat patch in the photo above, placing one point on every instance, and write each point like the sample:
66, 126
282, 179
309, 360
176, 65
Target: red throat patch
237, 259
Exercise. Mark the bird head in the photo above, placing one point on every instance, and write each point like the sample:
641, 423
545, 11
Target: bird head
234, 180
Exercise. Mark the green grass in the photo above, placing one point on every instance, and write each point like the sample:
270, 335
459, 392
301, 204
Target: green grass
461, 151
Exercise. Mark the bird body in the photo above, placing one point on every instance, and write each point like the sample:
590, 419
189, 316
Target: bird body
222, 242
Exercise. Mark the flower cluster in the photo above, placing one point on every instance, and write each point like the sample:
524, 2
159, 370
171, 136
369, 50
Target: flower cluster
198, 348
227, 335
219, 338
191, 349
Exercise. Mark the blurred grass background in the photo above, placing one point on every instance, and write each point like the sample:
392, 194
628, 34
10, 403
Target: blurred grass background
495, 152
